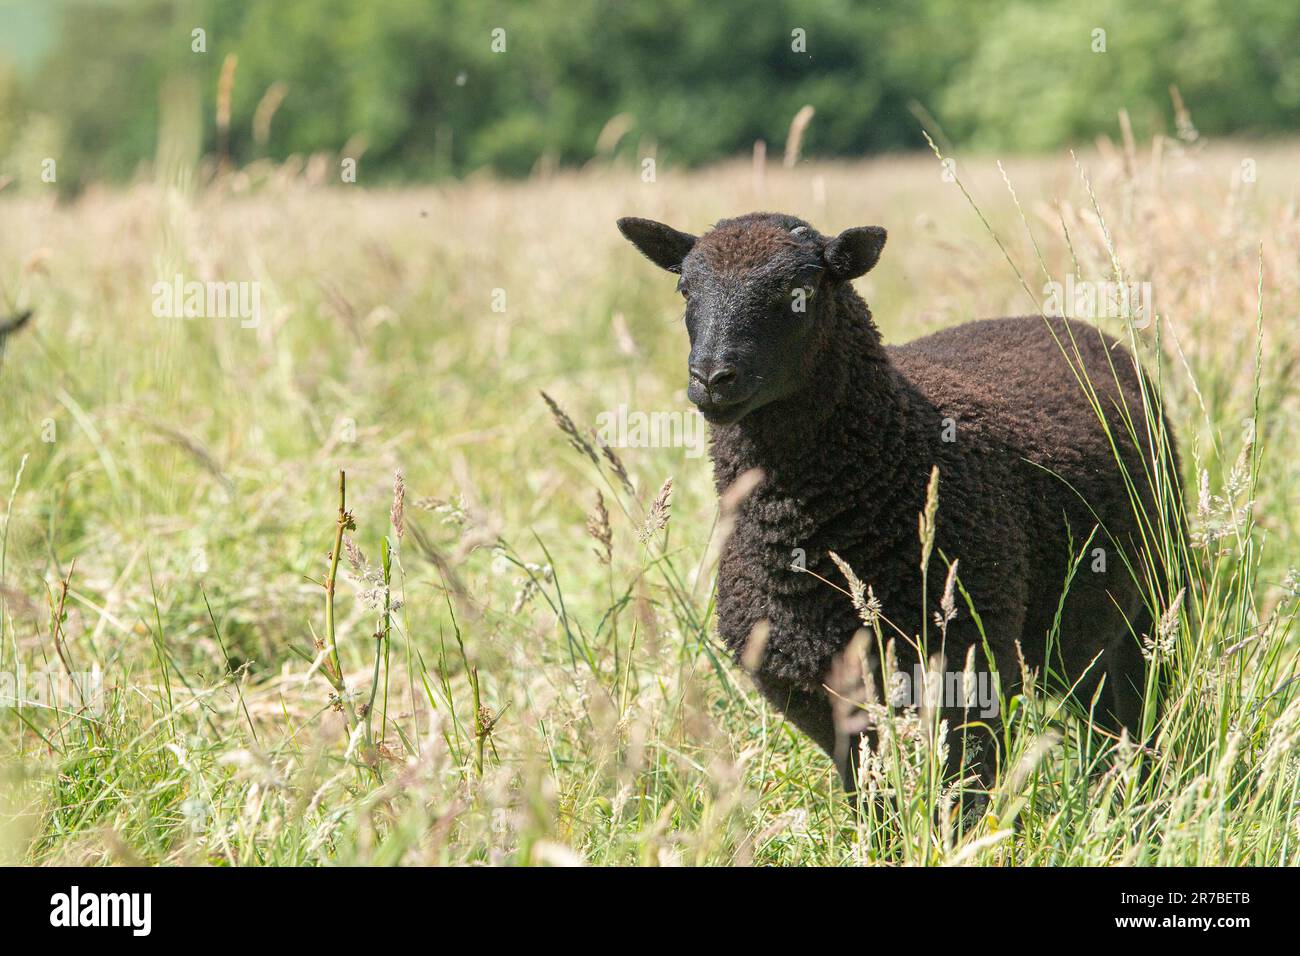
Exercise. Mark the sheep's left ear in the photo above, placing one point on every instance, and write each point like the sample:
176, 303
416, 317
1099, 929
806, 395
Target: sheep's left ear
854, 252
661, 244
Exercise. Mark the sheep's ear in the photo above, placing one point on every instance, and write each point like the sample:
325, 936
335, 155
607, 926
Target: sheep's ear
854, 251
663, 245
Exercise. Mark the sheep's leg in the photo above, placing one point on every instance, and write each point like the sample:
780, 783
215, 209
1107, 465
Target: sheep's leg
810, 712
813, 713
1126, 673
972, 758
1093, 623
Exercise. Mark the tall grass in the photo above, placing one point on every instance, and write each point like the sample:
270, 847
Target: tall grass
528, 672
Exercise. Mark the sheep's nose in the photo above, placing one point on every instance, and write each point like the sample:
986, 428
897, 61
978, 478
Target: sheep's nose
714, 376
721, 377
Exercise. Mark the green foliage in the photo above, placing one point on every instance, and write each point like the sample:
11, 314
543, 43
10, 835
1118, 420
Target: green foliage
1035, 82
419, 83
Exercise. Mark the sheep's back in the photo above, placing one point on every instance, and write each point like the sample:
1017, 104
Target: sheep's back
1019, 382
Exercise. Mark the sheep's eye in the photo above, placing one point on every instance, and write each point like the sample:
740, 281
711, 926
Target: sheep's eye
804, 287
681, 287
799, 296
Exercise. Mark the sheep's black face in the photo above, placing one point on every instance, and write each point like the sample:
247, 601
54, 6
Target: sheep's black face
748, 320
758, 292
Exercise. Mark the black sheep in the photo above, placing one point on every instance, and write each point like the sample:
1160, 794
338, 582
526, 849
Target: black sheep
788, 367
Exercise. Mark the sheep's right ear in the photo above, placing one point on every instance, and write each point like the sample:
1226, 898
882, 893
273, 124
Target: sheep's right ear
663, 245
854, 252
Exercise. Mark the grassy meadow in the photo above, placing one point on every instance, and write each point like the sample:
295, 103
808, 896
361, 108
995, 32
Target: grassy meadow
518, 664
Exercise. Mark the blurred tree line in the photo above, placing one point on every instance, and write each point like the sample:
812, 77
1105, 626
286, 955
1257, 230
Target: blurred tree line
445, 87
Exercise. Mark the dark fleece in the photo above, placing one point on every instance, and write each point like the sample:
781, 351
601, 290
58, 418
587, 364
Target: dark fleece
1030, 474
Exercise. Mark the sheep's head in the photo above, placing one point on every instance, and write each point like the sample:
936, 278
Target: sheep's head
760, 294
